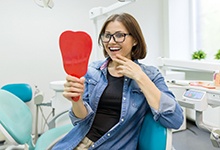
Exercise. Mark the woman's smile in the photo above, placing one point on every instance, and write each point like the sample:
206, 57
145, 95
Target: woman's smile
113, 49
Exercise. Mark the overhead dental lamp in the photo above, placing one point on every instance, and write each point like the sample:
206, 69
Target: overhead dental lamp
100, 11
44, 3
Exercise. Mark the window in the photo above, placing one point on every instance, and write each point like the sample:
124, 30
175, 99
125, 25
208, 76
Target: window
207, 22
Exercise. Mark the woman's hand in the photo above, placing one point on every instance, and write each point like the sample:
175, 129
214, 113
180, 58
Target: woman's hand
127, 67
73, 87
132, 70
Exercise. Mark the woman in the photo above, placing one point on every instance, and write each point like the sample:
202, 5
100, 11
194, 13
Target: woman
116, 93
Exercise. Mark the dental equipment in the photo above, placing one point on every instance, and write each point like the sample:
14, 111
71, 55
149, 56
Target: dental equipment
96, 12
38, 101
18, 128
215, 137
199, 98
60, 105
195, 97
44, 3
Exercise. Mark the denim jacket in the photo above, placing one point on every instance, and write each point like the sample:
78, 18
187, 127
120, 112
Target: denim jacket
124, 135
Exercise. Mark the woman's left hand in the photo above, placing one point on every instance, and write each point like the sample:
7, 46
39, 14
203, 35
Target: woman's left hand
132, 70
127, 67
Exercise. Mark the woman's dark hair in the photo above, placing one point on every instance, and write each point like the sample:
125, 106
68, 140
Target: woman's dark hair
139, 51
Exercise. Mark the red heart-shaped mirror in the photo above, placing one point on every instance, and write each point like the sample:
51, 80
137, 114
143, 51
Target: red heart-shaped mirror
75, 48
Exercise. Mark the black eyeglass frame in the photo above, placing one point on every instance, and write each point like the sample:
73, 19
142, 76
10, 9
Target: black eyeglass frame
114, 38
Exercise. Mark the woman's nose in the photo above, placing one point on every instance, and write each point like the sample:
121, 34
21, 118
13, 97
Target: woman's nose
112, 40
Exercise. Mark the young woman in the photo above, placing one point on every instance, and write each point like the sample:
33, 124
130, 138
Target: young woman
116, 93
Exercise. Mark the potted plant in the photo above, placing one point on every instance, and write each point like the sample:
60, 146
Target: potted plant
200, 54
217, 55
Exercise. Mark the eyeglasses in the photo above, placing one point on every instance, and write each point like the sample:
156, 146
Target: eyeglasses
118, 37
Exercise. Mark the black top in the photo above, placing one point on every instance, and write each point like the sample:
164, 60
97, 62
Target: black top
109, 108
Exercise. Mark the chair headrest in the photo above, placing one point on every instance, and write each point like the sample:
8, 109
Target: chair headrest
21, 90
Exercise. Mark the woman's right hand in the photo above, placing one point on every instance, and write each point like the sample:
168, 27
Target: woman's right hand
73, 87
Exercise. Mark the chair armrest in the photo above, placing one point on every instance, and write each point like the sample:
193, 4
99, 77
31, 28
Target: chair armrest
51, 137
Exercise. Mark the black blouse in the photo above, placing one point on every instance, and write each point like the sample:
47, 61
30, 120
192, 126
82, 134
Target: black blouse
109, 108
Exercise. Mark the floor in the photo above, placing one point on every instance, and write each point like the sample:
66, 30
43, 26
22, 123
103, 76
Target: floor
192, 139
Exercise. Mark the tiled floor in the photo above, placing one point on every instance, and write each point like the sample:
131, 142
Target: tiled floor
192, 139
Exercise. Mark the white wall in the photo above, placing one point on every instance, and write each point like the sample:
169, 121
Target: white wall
29, 50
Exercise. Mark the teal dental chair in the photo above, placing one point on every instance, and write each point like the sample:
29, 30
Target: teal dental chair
16, 124
21, 90
153, 135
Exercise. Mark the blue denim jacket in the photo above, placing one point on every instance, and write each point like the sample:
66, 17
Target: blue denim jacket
124, 135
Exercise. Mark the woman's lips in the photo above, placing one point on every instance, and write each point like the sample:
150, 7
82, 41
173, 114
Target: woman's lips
114, 49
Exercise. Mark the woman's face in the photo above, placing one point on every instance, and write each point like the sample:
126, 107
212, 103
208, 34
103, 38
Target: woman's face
123, 48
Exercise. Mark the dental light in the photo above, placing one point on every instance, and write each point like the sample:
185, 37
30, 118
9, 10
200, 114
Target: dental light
44, 3
100, 11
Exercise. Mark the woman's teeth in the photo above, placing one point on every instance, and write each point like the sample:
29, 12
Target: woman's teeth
114, 49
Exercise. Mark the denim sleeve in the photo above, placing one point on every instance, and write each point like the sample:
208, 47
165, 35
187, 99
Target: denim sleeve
75, 119
170, 114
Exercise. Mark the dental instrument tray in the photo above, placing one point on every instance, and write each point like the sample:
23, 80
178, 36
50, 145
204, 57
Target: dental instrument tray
202, 84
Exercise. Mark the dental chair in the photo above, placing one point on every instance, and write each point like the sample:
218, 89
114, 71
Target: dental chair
25, 93
153, 135
21, 90
16, 125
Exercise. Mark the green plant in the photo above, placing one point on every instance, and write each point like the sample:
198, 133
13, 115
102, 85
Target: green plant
217, 55
200, 54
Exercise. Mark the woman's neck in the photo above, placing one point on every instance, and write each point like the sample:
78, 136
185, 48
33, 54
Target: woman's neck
112, 68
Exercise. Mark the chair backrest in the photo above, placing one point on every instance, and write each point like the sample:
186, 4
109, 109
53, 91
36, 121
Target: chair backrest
21, 90
154, 136
15, 118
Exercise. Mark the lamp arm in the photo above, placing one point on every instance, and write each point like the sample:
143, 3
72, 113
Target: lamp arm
100, 11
